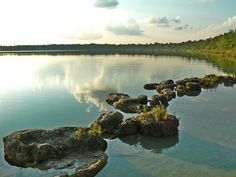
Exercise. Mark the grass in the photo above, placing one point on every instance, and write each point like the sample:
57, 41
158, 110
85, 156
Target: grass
95, 130
158, 113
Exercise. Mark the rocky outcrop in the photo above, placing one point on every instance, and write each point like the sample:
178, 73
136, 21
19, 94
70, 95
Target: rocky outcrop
30, 148
109, 122
148, 124
151, 126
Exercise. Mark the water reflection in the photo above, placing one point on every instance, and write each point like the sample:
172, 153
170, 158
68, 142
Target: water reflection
154, 144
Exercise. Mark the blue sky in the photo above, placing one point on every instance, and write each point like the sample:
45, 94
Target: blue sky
113, 21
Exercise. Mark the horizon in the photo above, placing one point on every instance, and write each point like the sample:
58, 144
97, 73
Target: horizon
113, 21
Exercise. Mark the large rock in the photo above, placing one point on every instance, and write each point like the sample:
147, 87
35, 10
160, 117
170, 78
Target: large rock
29, 148
128, 127
210, 81
168, 94
113, 97
127, 106
229, 81
193, 86
109, 122
152, 126
158, 100
131, 105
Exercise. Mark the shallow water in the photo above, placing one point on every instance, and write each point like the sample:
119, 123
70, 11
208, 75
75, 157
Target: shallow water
43, 91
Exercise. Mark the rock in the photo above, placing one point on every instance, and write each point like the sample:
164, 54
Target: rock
193, 86
180, 82
167, 82
229, 81
151, 86
131, 105
113, 97
192, 79
128, 127
166, 86
168, 93
109, 122
127, 106
151, 126
92, 169
29, 148
210, 81
159, 100
180, 89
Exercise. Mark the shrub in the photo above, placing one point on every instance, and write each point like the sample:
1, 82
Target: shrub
95, 130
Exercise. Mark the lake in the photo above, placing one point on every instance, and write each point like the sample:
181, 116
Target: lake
48, 91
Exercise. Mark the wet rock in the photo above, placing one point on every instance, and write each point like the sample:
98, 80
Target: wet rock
109, 122
193, 93
193, 86
113, 97
180, 89
128, 127
127, 106
152, 126
158, 100
151, 86
192, 79
166, 86
29, 148
210, 81
229, 81
168, 94
180, 82
167, 82
131, 105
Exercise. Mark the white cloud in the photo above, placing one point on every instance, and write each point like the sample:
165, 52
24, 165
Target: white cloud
216, 29
163, 21
106, 3
130, 27
177, 19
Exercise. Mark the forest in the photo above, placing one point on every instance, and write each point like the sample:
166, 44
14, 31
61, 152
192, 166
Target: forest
223, 45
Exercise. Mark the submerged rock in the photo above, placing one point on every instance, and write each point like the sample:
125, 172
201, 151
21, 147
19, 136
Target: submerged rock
30, 148
109, 122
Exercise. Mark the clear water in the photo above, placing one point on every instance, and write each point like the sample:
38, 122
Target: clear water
42, 91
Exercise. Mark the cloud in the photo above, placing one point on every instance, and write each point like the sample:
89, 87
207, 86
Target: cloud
216, 29
177, 19
163, 21
183, 27
106, 3
130, 27
85, 34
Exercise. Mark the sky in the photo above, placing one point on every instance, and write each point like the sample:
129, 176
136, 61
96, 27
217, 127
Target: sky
113, 21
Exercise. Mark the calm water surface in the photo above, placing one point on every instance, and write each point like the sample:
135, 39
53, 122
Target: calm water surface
51, 91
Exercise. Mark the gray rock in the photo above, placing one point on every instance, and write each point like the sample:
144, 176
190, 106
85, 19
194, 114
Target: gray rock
193, 86
128, 127
151, 86
109, 122
113, 97
29, 148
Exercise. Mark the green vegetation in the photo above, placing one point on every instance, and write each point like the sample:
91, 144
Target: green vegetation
223, 45
158, 113
95, 130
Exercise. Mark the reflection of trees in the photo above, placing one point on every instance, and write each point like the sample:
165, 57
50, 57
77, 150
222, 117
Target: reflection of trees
155, 144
